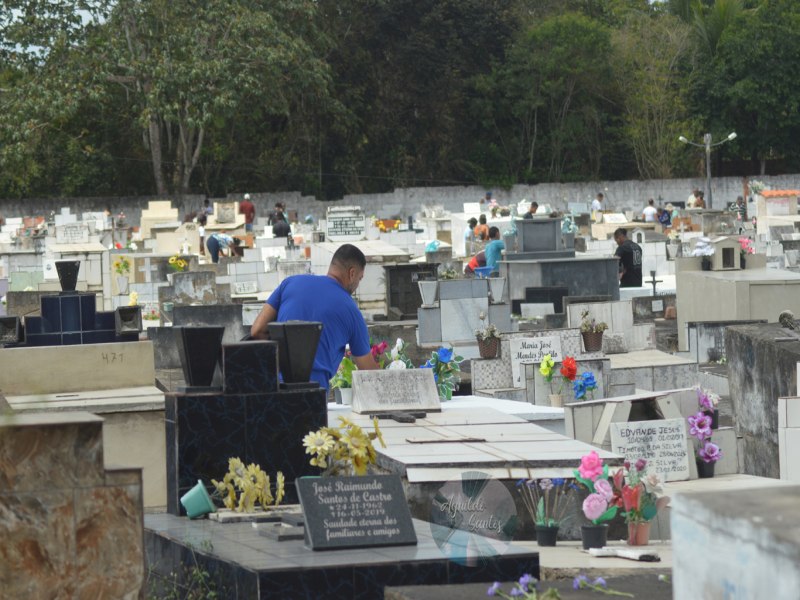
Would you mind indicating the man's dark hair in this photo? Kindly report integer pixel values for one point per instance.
(494, 232)
(348, 256)
(534, 206)
(237, 242)
(621, 231)
(482, 220)
(473, 222)
(202, 219)
(651, 202)
(206, 202)
(600, 195)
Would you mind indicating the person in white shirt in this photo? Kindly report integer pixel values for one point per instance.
(650, 214)
(692, 198)
(597, 203)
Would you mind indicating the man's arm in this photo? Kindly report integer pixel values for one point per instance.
(364, 363)
(259, 328)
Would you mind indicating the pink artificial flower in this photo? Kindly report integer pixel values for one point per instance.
(704, 400)
(591, 466)
(602, 487)
(641, 464)
(700, 426)
(710, 452)
(594, 506)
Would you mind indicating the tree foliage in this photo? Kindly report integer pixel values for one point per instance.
(347, 96)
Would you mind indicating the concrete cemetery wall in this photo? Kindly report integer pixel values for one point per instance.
(761, 369)
(620, 196)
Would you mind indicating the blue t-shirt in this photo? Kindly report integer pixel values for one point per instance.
(494, 251)
(321, 298)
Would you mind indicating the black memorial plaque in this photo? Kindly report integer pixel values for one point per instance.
(355, 512)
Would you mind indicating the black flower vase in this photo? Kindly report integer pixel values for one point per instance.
(68, 274)
(297, 347)
(546, 535)
(705, 470)
(199, 349)
(594, 536)
(714, 414)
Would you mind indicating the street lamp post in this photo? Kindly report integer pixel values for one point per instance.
(708, 146)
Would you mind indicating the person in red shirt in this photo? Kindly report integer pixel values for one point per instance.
(479, 260)
(247, 209)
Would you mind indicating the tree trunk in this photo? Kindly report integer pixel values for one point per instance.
(154, 138)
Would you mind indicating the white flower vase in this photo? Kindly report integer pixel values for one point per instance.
(496, 285)
(346, 394)
(122, 284)
(428, 290)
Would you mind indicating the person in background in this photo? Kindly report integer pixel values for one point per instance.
(479, 260)
(630, 259)
(281, 228)
(469, 235)
(247, 209)
(531, 211)
(487, 199)
(494, 249)
(202, 219)
(650, 214)
(692, 198)
(740, 208)
(207, 208)
(329, 300)
(280, 209)
(221, 242)
(664, 217)
(674, 213)
(597, 203)
(700, 200)
(482, 230)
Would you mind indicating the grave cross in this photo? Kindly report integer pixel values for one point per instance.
(654, 281)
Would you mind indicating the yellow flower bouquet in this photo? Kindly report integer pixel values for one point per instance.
(344, 450)
(252, 486)
(177, 264)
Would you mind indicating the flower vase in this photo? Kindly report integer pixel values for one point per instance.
(556, 400)
(742, 262)
(639, 533)
(592, 340)
(594, 536)
(546, 535)
(714, 417)
(488, 348)
(345, 395)
(705, 470)
(122, 284)
(705, 263)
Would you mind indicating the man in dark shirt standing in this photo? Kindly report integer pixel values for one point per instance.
(531, 211)
(630, 259)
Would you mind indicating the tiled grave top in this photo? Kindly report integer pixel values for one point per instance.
(134, 399)
(642, 395)
(646, 358)
(474, 438)
(46, 419)
(241, 543)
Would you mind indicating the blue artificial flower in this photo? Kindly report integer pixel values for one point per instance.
(579, 582)
(517, 592)
(427, 365)
(521, 482)
(559, 481)
(435, 378)
(493, 589)
(589, 382)
(445, 354)
(577, 387)
(601, 582)
(527, 580)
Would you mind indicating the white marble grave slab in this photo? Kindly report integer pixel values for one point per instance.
(526, 351)
(389, 391)
(537, 310)
(663, 443)
(461, 317)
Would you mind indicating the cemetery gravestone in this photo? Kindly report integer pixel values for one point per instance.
(393, 391)
(525, 351)
(355, 512)
(346, 224)
(662, 443)
(72, 233)
(226, 212)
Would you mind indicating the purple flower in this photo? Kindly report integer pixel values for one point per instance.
(527, 580)
(627, 465)
(700, 426)
(493, 589)
(641, 464)
(546, 485)
(516, 592)
(602, 487)
(579, 582)
(710, 452)
(594, 506)
(601, 582)
(704, 400)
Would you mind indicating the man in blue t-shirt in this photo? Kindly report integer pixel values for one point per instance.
(494, 249)
(327, 299)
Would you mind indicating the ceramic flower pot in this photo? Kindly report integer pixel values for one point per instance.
(122, 284)
(546, 535)
(639, 533)
(68, 274)
(197, 502)
(592, 341)
(428, 291)
(556, 400)
(489, 347)
(714, 417)
(705, 470)
(594, 536)
(496, 287)
(344, 396)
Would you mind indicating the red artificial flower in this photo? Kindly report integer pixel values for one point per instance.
(569, 369)
(118, 246)
(630, 497)
(379, 349)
